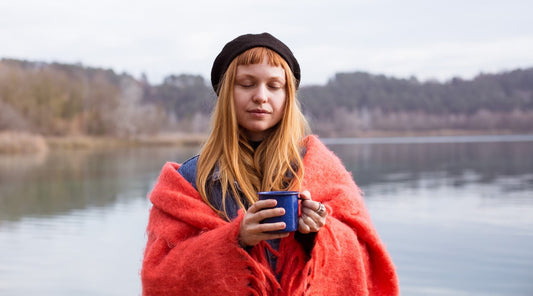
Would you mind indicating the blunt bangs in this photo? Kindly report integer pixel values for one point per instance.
(257, 54)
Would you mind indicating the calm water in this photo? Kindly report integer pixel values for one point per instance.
(456, 215)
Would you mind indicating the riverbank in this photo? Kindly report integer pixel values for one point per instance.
(432, 133)
(88, 142)
(22, 143)
(26, 143)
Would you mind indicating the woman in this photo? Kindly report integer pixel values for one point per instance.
(205, 235)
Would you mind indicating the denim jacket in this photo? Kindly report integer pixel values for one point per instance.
(189, 169)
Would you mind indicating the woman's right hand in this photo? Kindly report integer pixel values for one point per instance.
(252, 231)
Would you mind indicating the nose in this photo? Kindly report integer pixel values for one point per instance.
(261, 94)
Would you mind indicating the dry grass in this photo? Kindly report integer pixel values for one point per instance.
(172, 139)
(83, 142)
(24, 143)
(21, 143)
(87, 142)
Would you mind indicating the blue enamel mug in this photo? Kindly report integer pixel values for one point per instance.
(287, 200)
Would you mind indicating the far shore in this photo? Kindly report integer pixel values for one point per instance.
(195, 139)
(84, 142)
(22, 143)
(26, 143)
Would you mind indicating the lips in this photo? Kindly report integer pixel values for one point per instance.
(259, 111)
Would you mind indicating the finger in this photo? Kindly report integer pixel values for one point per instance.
(313, 227)
(311, 213)
(268, 213)
(262, 204)
(267, 227)
(302, 227)
(305, 195)
(317, 218)
(315, 213)
(313, 205)
(251, 239)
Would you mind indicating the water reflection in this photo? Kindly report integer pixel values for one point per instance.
(457, 163)
(94, 251)
(68, 180)
(456, 217)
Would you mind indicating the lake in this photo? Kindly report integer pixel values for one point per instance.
(456, 214)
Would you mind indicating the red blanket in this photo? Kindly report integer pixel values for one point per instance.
(192, 251)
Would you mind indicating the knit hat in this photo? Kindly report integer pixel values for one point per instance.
(244, 42)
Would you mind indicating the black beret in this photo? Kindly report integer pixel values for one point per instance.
(244, 42)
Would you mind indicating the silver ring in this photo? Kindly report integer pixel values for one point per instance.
(321, 208)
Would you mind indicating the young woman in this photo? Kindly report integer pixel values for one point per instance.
(205, 235)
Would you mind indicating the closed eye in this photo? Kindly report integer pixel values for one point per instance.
(275, 85)
(245, 83)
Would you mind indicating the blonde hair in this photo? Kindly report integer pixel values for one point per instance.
(276, 164)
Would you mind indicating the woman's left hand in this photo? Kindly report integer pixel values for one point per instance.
(313, 214)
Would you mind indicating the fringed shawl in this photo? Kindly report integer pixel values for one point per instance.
(193, 251)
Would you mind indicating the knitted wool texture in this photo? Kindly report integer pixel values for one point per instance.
(244, 42)
(192, 251)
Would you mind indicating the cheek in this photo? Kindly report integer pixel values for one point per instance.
(238, 103)
(280, 104)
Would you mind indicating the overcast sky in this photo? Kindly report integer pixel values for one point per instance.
(427, 39)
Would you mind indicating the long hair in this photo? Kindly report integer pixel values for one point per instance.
(276, 164)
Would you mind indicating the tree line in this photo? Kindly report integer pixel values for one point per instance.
(72, 99)
(353, 102)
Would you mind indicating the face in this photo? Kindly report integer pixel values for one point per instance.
(259, 97)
